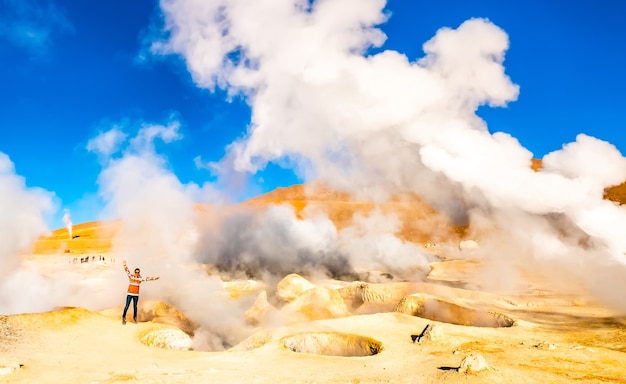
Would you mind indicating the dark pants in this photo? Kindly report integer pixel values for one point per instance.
(128, 299)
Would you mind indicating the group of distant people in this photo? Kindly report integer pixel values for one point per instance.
(86, 259)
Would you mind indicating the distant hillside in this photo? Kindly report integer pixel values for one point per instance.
(420, 222)
(91, 237)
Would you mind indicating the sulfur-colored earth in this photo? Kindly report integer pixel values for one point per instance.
(364, 332)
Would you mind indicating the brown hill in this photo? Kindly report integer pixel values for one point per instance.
(616, 193)
(420, 223)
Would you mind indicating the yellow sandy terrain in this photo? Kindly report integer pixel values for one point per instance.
(555, 339)
(345, 332)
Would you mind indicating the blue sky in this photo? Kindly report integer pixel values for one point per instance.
(71, 69)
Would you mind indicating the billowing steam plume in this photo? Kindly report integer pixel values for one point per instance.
(22, 218)
(377, 124)
(22, 221)
(67, 219)
(369, 124)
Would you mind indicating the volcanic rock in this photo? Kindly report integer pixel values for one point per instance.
(292, 286)
(316, 304)
(431, 332)
(167, 338)
(474, 362)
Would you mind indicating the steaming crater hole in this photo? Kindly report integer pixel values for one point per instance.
(426, 307)
(332, 344)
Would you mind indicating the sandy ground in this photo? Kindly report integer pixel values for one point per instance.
(555, 339)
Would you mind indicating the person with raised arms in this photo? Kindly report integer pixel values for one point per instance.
(134, 281)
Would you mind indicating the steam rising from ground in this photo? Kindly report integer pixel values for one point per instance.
(67, 219)
(21, 222)
(22, 218)
(369, 124)
(376, 124)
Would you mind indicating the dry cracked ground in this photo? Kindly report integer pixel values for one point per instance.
(440, 330)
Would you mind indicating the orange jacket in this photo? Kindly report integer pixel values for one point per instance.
(133, 287)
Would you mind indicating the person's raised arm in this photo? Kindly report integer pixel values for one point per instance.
(126, 268)
(152, 278)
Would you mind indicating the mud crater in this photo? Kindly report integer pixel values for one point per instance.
(332, 344)
(447, 312)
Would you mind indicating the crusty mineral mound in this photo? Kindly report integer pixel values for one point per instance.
(291, 287)
(364, 297)
(431, 333)
(254, 341)
(474, 362)
(316, 304)
(167, 338)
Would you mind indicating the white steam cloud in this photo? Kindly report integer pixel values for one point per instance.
(370, 124)
(159, 232)
(377, 124)
(23, 211)
(67, 220)
(22, 221)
